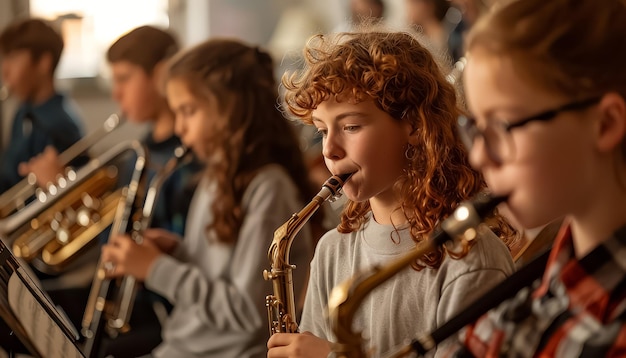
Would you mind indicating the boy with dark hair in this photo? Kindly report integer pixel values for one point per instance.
(30, 51)
(145, 46)
(137, 61)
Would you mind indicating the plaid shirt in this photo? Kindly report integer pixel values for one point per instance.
(578, 309)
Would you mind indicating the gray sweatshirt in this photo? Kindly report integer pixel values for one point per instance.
(411, 302)
(217, 289)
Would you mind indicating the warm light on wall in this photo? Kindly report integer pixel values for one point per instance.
(89, 27)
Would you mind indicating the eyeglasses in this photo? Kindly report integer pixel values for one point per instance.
(497, 134)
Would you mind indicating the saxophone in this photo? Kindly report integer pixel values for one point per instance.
(109, 306)
(346, 297)
(281, 311)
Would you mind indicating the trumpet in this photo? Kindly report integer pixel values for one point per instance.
(60, 224)
(346, 297)
(16, 198)
(109, 306)
(281, 311)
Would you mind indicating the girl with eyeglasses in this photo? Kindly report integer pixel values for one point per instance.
(546, 86)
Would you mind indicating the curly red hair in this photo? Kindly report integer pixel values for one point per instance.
(404, 80)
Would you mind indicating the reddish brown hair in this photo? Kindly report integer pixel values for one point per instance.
(403, 79)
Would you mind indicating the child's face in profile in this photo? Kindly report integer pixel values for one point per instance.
(193, 116)
(20, 73)
(361, 138)
(545, 174)
(135, 91)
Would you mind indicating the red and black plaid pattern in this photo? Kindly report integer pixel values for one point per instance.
(578, 309)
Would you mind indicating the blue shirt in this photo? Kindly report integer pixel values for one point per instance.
(174, 198)
(54, 122)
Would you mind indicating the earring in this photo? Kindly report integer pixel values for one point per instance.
(410, 152)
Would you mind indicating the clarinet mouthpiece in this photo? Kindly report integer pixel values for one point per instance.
(344, 177)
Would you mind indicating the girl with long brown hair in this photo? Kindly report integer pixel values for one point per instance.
(223, 94)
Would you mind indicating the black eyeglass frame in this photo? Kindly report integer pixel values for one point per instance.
(552, 113)
(470, 131)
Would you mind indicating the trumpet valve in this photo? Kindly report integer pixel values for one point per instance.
(41, 195)
(52, 189)
(63, 236)
(61, 181)
(83, 217)
(70, 174)
(31, 178)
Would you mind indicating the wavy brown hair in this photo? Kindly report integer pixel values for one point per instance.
(403, 79)
(571, 47)
(256, 134)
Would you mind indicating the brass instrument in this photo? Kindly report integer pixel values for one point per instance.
(281, 311)
(454, 76)
(59, 224)
(110, 302)
(16, 198)
(506, 289)
(346, 297)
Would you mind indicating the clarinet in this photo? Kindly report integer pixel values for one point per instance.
(109, 308)
(346, 297)
(281, 309)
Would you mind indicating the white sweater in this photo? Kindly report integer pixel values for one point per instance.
(411, 302)
(218, 290)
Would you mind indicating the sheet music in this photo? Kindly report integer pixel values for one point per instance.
(46, 334)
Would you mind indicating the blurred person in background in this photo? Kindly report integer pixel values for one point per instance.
(46, 121)
(428, 17)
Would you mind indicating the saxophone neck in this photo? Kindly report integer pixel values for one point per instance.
(278, 253)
